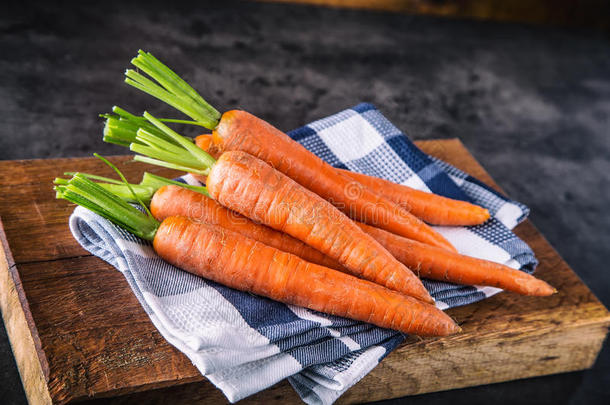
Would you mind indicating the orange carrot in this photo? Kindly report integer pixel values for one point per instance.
(251, 187)
(169, 201)
(432, 208)
(429, 207)
(242, 263)
(204, 141)
(440, 264)
(426, 261)
(238, 130)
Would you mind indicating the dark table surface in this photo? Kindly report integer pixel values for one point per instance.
(531, 103)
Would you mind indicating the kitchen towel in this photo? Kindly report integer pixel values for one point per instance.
(244, 343)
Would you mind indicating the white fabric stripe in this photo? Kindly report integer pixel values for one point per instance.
(138, 249)
(441, 305)
(508, 215)
(488, 291)
(457, 180)
(359, 131)
(247, 379)
(416, 182)
(190, 179)
(304, 313)
(207, 340)
(471, 244)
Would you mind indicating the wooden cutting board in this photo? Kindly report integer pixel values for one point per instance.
(78, 332)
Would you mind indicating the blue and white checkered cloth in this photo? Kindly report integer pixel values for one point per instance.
(244, 343)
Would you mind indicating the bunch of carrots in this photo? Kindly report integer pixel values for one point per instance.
(276, 220)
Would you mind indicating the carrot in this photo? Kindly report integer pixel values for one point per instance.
(239, 130)
(204, 141)
(173, 200)
(225, 257)
(429, 207)
(440, 264)
(168, 198)
(432, 208)
(251, 187)
(425, 260)
(242, 263)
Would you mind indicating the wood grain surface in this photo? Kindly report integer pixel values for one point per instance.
(78, 333)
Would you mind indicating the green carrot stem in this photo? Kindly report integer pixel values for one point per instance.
(171, 150)
(162, 163)
(156, 142)
(177, 121)
(95, 177)
(156, 182)
(168, 87)
(84, 192)
(125, 182)
(121, 127)
(143, 193)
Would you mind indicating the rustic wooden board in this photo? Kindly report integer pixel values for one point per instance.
(78, 332)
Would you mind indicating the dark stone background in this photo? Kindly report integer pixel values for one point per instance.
(531, 103)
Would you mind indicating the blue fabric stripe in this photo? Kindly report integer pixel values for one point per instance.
(363, 107)
(301, 133)
(270, 318)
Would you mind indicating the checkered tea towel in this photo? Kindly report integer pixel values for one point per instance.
(245, 343)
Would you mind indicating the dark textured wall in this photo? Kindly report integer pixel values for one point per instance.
(532, 104)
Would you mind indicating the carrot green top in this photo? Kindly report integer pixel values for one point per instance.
(168, 87)
(82, 191)
(155, 142)
(133, 193)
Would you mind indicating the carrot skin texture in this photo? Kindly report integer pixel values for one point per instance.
(425, 260)
(239, 130)
(432, 208)
(429, 207)
(242, 263)
(440, 264)
(251, 187)
(173, 200)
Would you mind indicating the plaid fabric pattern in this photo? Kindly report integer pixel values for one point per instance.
(245, 343)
